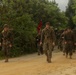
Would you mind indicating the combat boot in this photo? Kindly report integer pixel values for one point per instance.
(38, 53)
(48, 60)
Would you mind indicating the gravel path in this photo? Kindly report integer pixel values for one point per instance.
(37, 65)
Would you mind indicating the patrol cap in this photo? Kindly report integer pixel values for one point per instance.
(6, 26)
(47, 23)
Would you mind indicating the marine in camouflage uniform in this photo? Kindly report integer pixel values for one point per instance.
(63, 41)
(39, 47)
(6, 41)
(48, 40)
(69, 42)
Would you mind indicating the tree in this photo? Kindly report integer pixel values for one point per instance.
(70, 12)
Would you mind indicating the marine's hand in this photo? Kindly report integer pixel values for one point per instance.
(53, 44)
(10, 45)
(40, 43)
(65, 42)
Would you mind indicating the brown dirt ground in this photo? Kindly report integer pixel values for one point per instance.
(37, 65)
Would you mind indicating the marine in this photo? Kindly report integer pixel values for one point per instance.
(69, 42)
(6, 41)
(39, 47)
(48, 40)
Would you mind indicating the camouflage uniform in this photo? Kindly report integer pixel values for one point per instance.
(6, 40)
(48, 37)
(69, 39)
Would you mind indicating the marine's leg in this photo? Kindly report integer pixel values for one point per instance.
(50, 52)
(41, 49)
(52, 48)
(70, 51)
(4, 49)
(63, 47)
(6, 54)
(45, 49)
(70, 54)
(66, 50)
(38, 48)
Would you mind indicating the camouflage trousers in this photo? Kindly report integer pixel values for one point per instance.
(47, 48)
(69, 48)
(6, 48)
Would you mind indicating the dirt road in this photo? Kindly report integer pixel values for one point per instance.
(37, 65)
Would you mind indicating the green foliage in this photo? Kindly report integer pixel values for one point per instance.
(23, 16)
(71, 13)
(74, 19)
(74, 8)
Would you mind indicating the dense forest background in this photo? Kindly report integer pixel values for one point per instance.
(24, 15)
